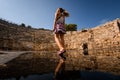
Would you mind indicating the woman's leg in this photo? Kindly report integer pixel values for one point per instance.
(62, 41)
(58, 41)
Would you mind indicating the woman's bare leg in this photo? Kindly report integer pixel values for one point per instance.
(62, 40)
(58, 41)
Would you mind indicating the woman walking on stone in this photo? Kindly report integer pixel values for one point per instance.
(59, 30)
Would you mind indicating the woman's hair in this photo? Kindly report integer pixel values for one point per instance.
(64, 12)
(61, 10)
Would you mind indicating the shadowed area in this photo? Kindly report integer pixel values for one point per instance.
(45, 62)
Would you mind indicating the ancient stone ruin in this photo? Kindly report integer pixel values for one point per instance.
(91, 49)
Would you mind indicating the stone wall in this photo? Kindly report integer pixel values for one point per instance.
(20, 38)
(105, 36)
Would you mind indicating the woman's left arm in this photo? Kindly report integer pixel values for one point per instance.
(54, 24)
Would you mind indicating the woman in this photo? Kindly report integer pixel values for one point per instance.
(59, 30)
